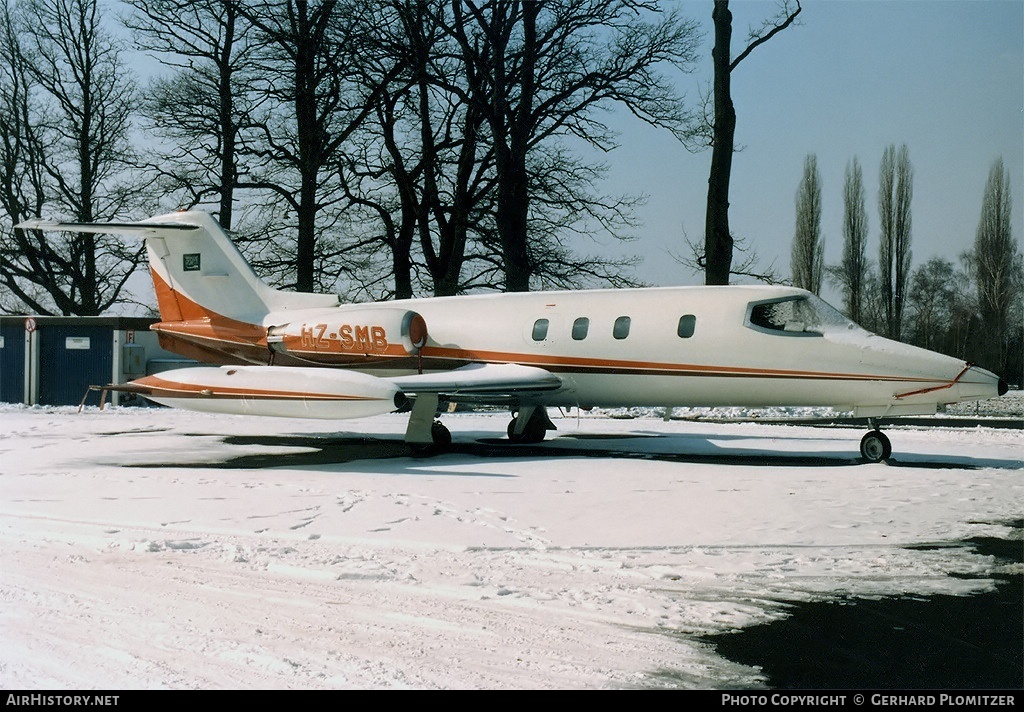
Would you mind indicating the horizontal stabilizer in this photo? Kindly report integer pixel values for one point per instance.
(132, 228)
(198, 272)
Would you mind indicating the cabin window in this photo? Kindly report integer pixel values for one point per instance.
(686, 326)
(621, 328)
(580, 327)
(540, 329)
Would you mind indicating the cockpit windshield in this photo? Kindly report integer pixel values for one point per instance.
(801, 315)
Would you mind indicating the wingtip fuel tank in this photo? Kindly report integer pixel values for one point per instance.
(271, 390)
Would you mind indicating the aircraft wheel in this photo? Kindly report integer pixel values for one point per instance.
(441, 435)
(442, 442)
(511, 430)
(534, 432)
(875, 446)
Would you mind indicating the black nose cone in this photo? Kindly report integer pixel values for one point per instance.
(1003, 388)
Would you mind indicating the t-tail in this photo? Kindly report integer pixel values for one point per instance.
(212, 305)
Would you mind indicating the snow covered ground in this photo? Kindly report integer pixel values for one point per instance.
(150, 548)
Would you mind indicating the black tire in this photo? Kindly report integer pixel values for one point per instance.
(875, 446)
(441, 435)
(534, 432)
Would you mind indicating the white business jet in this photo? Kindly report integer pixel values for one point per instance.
(283, 353)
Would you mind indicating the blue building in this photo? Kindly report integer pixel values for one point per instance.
(52, 360)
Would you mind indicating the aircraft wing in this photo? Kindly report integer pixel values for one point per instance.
(482, 382)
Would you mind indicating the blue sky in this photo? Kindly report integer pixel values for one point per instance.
(946, 77)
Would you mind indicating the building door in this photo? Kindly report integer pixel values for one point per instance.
(12, 362)
(72, 358)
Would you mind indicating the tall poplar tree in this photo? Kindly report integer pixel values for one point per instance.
(996, 266)
(808, 253)
(854, 267)
(895, 191)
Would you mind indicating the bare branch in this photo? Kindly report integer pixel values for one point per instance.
(769, 29)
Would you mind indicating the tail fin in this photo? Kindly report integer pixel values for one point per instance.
(198, 272)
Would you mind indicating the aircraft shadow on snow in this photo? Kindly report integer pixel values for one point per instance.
(322, 450)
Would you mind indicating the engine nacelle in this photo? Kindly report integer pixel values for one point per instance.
(272, 390)
(351, 332)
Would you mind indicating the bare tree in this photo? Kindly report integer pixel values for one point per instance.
(439, 165)
(718, 240)
(808, 253)
(567, 210)
(314, 99)
(996, 266)
(962, 339)
(22, 182)
(543, 69)
(895, 191)
(931, 298)
(851, 273)
(468, 149)
(872, 307)
(749, 263)
(23, 190)
(77, 154)
(202, 107)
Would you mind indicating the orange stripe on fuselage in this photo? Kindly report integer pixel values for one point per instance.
(227, 331)
(597, 365)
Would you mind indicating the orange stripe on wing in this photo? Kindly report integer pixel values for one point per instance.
(197, 390)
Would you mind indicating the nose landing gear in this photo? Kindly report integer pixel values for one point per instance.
(529, 425)
(875, 446)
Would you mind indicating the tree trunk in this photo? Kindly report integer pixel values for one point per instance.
(717, 238)
(401, 255)
(309, 145)
(227, 121)
(513, 178)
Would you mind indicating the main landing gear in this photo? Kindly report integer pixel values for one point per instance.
(875, 446)
(424, 434)
(428, 436)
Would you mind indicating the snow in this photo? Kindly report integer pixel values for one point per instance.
(152, 548)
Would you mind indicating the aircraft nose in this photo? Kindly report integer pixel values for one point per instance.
(979, 383)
